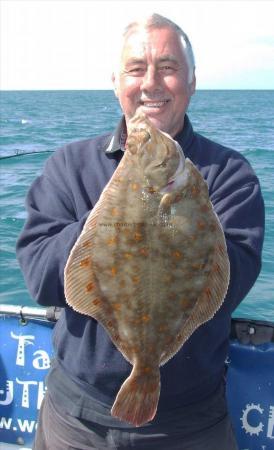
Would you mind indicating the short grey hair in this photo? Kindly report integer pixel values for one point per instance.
(158, 21)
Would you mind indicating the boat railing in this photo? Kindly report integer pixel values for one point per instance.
(50, 314)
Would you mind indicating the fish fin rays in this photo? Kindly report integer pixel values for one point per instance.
(81, 288)
(137, 399)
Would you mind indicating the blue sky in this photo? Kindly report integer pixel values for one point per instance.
(62, 44)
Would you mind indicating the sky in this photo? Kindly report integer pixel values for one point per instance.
(68, 44)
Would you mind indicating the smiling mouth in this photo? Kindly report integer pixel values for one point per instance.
(151, 104)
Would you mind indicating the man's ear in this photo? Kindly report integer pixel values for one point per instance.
(114, 82)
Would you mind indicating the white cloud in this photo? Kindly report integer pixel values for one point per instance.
(55, 44)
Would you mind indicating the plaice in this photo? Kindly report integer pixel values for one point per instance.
(151, 263)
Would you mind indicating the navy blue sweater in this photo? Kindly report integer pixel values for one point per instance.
(58, 204)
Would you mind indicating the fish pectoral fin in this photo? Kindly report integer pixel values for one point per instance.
(165, 205)
(169, 199)
(138, 397)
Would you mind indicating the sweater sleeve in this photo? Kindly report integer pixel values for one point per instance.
(238, 201)
(50, 231)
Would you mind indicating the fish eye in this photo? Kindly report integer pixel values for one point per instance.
(162, 164)
(147, 136)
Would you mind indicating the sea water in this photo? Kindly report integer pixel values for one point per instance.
(35, 123)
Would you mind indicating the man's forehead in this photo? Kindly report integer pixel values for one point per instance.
(142, 59)
(139, 43)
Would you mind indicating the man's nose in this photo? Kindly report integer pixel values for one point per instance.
(151, 80)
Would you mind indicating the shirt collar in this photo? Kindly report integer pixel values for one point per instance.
(119, 137)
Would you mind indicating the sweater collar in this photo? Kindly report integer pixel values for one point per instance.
(118, 139)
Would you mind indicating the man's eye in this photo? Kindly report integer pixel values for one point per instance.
(167, 69)
(136, 70)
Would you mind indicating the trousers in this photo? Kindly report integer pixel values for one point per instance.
(61, 431)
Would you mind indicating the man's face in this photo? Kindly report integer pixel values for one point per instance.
(153, 78)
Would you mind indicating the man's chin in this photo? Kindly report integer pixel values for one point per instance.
(156, 121)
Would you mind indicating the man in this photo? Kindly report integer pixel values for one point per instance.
(156, 75)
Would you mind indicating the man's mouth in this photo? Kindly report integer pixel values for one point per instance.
(153, 104)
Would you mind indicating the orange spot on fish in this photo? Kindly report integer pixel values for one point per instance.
(151, 190)
(135, 186)
(143, 251)
(114, 212)
(135, 279)
(114, 271)
(147, 369)
(145, 318)
(195, 190)
(85, 262)
(112, 241)
(201, 225)
(89, 287)
(128, 255)
(177, 254)
(97, 302)
(138, 237)
(126, 231)
(116, 306)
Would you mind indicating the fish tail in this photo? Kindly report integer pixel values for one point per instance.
(138, 397)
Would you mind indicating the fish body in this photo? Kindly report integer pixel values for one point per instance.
(151, 263)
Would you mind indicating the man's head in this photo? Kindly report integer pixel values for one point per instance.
(156, 73)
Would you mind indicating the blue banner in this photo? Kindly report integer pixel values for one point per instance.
(250, 393)
(25, 353)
